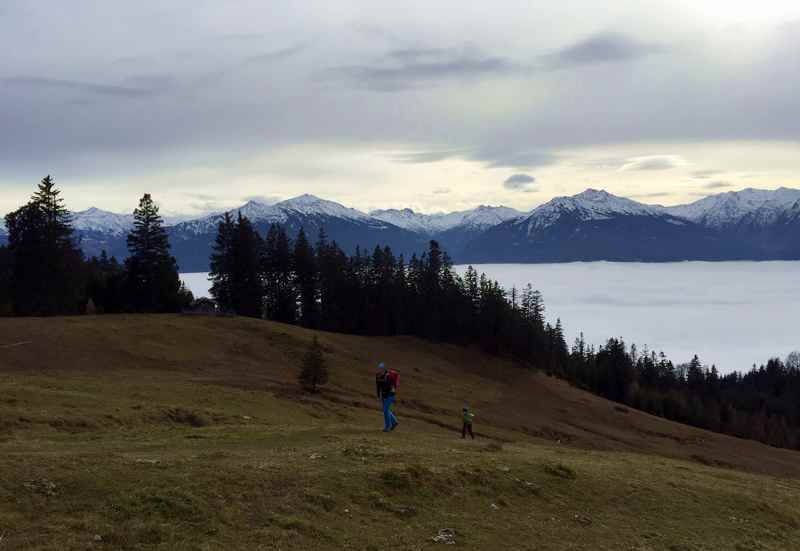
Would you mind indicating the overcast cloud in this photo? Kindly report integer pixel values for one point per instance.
(385, 104)
(520, 182)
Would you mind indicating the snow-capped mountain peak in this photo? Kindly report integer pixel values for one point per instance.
(102, 221)
(486, 216)
(591, 204)
(409, 220)
(756, 206)
(600, 201)
(481, 217)
(303, 206)
(311, 205)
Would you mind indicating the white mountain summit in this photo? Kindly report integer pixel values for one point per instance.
(102, 221)
(429, 224)
(591, 204)
(303, 206)
(758, 206)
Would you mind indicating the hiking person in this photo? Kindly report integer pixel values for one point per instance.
(386, 385)
(468, 417)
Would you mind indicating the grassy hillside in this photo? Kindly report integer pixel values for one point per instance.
(170, 432)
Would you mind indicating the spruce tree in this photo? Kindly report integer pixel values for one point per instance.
(57, 228)
(247, 288)
(471, 286)
(313, 370)
(152, 273)
(334, 282)
(305, 276)
(280, 298)
(46, 277)
(537, 309)
(221, 264)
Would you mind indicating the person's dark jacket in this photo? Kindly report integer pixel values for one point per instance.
(384, 385)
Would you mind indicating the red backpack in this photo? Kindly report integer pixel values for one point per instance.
(394, 377)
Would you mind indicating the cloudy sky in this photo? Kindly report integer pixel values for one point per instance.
(434, 105)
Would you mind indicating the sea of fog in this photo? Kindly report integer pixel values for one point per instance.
(731, 314)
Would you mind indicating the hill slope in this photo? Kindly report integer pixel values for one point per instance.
(171, 432)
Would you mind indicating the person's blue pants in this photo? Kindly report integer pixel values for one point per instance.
(389, 420)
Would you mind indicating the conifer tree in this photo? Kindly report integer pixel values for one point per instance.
(246, 282)
(471, 286)
(57, 230)
(305, 276)
(694, 374)
(152, 273)
(334, 284)
(313, 370)
(537, 309)
(280, 298)
(46, 263)
(221, 264)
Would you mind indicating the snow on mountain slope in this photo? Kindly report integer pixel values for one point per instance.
(302, 207)
(253, 210)
(591, 204)
(758, 206)
(485, 216)
(309, 205)
(481, 217)
(102, 221)
(410, 220)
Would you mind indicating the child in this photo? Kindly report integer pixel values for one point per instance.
(468, 417)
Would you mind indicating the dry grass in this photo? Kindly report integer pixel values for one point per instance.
(165, 432)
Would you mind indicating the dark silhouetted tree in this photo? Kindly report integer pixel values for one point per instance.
(280, 298)
(305, 279)
(246, 284)
(46, 273)
(6, 305)
(153, 284)
(313, 370)
(221, 264)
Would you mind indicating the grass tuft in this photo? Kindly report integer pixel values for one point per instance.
(561, 471)
(154, 502)
(185, 417)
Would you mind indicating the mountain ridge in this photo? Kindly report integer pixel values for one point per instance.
(754, 224)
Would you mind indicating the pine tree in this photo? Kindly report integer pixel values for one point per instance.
(471, 287)
(221, 264)
(246, 283)
(152, 273)
(313, 370)
(280, 297)
(57, 228)
(305, 276)
(537, 309)
(695, 378)
(400, 296)
(46, 277)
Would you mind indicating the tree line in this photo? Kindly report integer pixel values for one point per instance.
(318, 285)
(762, 404)
(44, 273)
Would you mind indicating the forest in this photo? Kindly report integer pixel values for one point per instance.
(312, 282)
(43, 271)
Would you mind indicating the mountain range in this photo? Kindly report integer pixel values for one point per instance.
(750, 224)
